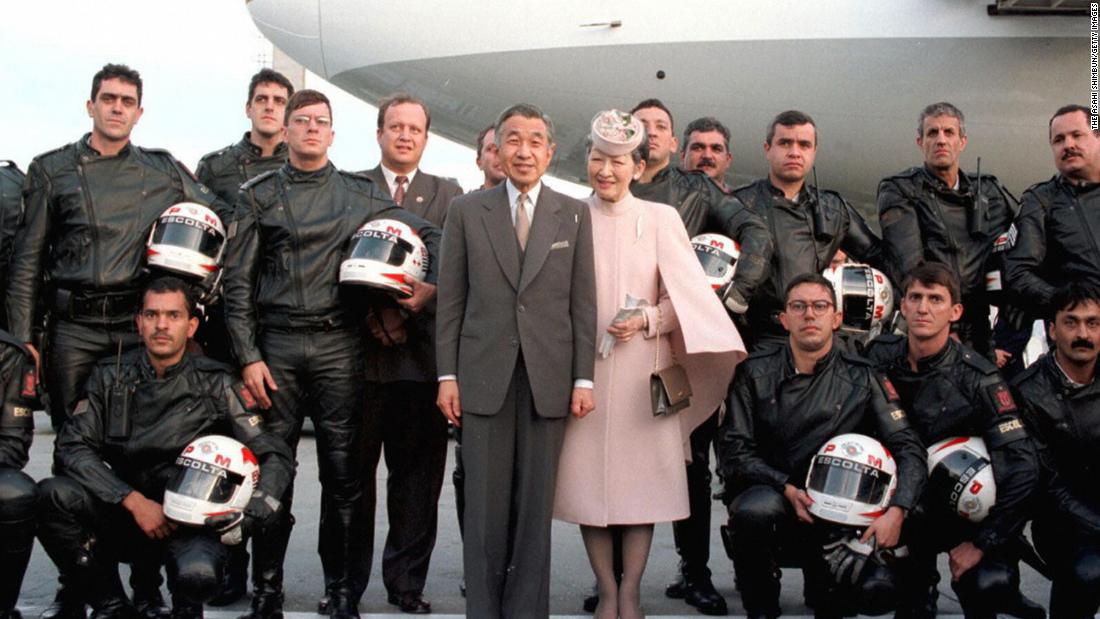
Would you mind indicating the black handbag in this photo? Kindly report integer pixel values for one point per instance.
(669, 388)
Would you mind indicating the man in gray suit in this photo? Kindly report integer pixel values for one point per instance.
(401, 372)
(516, 330)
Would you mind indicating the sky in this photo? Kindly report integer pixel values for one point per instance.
(195, 58)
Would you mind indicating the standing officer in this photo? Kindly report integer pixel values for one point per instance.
(11, 214)
(116, 455)
(950, 391)
(807, 224)
(1063, 397)
(786, 402)
(18, 492)
(706, 148)
(931, 213)
(298, 337)
(262, 149)
(401, 376)
(89, 208)
(1059, 222)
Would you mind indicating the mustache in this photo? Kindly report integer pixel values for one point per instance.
(705, 161)
(1071, 153)
(1082, 343)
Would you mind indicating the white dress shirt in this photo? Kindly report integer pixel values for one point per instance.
(391, 179)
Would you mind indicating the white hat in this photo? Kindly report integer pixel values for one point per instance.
(616, 133)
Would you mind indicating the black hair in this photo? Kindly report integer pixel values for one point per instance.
(170, 283)
(790, 118)
(269, 76)
(112, 71)
(933, 273)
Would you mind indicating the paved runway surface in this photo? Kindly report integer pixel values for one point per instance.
(571, 578)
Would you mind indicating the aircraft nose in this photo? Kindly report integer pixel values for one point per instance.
(294, 26)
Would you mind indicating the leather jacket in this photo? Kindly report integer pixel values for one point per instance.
(17, 402)
(1063, 419)
(128, 432)
(777, 419)
(957, 392)
(11, 214)
(705, 208)
(1058, 240)
(292, 231)
(225, 170)
(87, 220)
(800, 246)
(924, 219)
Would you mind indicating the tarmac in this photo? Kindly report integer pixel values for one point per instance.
(571, 577)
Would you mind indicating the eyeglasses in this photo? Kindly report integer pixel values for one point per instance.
(323, 122)
(800, 307)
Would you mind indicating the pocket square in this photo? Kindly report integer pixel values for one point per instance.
(560, 245)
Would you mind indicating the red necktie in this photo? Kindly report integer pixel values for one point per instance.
(399, 195)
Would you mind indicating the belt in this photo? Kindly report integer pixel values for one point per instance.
(96, 306)
(284, 322)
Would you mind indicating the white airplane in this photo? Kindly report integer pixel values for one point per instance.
(862, 69)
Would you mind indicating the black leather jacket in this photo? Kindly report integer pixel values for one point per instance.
(777, 419)
(17, 403)
(705, 208)
(1058, 240)
(112, 453)
(87, 220)
(292, 233)
(924, 219)
(11, 214)
(957, 392)
(225, 170)
(1065, 422)
(800, 247)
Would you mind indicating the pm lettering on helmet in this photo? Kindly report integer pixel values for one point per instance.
(873, 461)
(393, 230)
(221, 460)
(717, 243)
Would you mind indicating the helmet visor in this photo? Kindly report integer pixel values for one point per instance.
(846, 479)
(380, 247)
(175, 232)
(857, 293)
(953, 472)
(204, 481)
(715, 264)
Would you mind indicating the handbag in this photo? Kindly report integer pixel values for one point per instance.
(669, 388)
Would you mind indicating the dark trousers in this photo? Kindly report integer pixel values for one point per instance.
(71, 350)
(87, 539)
(413, 438)
(1074, 560)
(320, 375)
(18, 502)
(511, 463)
(458, 477)
(692, 535)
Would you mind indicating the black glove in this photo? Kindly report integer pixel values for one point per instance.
(236, 526)
(846, 558)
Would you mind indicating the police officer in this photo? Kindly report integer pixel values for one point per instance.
(297, 336)
(949, 390)
(18, 492)
(704, 208)
(115, 456)
(89, 208)
(701, 204)
(706, 148)
(1059, 222)
(786, 402)
(807, 224)
(11, 214)
(260, 150)
(930, 212)
(1063, 397)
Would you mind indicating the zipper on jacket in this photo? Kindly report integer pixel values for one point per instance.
(296, 268)
(92, 226)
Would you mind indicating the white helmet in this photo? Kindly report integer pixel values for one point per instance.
(960, 476)
(385, 254)
(215, 475)
(863, 295)
(851, 480)
(718, 255)
(187, 239)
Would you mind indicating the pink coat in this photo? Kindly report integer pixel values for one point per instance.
(620, 464)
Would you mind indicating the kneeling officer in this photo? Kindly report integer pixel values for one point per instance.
(117, 454)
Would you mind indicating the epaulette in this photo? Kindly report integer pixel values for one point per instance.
(215, 154)
(976, 361)
(766, 351)
(744, 187)
(855, 359)
(907, 173)
(1027, 373)
(259, 178)
(56, 152)
(205, 364)
(886, 341)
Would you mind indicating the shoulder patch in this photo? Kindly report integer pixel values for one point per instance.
(247, 399)
(259, 178)
(1001, 397)
(888, 388)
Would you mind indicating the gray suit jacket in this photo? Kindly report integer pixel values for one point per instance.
(491, 306)
(427, 196)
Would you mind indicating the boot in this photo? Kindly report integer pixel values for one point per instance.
(344, 605)
(236, 578)
(268, 551)
(150, 605)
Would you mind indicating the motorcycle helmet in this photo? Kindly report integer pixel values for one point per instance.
(214, 475)
(863, 295)
(851, 480)
(187, 239)
(718, 255)
(385, 254)
(960, 476)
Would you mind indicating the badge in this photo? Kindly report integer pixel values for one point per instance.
(246, 397)
(891, 392)
(1002, 399)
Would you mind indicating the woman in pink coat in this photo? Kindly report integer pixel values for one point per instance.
(621, 466)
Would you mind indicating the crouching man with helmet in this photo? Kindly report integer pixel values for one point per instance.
(785, 404)
(132, 438)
